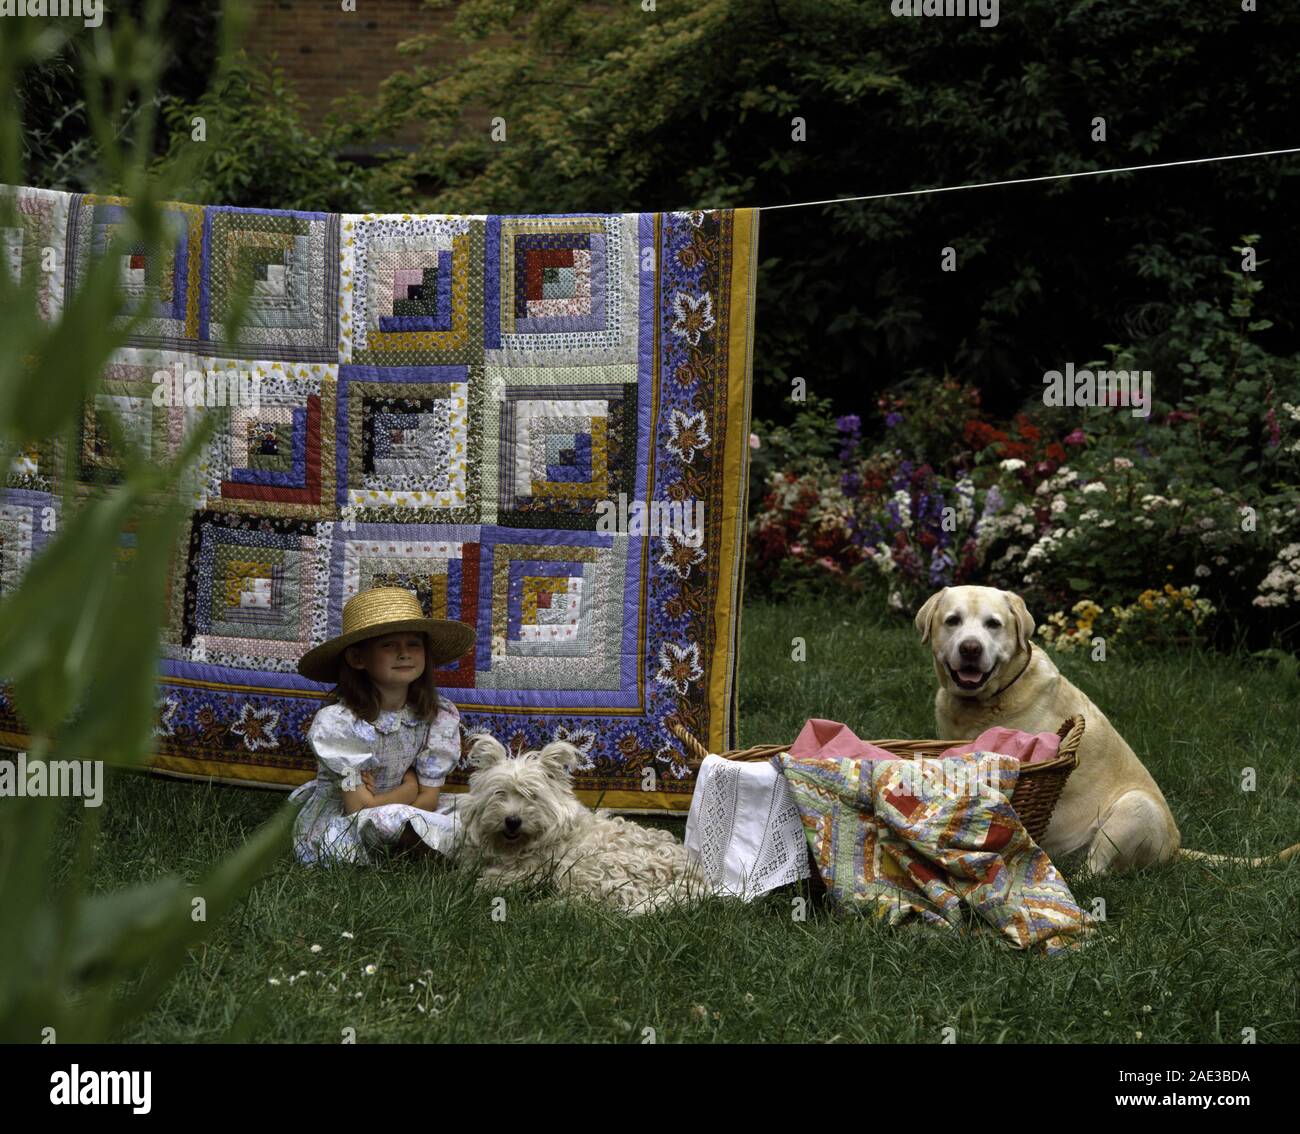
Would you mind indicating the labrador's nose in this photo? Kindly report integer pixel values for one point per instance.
(970, 649)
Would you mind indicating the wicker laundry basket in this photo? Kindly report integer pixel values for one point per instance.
(1037, 789)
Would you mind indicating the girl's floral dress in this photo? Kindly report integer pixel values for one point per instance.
(345, 747)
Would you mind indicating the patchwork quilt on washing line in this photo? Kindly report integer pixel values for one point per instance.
(487, 410)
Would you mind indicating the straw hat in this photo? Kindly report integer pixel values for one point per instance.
(386, 610)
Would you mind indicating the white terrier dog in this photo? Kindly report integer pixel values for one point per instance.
(521, 818)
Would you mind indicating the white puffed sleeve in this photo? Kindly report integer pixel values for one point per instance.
(344, 745)
(436, 760)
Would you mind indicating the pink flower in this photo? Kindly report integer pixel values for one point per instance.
(830, 564)
(754, 442)
(796, 549)
(1078, 437)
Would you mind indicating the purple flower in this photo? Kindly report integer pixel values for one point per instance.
(939, 565)
(893, 419)
(849, 423)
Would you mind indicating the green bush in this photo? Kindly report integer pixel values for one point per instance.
(259, 152)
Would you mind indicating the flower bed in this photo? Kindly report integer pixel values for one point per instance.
(1119, 520)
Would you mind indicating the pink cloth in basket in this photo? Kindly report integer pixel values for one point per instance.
(831, 739)
(1027, 747)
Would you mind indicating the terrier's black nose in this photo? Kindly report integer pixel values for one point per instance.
(971, 648)
(513, 824)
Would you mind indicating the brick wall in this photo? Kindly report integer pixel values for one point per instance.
(327, 52)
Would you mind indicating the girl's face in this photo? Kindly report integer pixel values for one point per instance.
(391, 660)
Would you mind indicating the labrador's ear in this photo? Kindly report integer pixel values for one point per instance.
(486, 751)
(1023, 619)
(925, 616)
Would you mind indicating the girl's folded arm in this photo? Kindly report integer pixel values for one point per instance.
(427, 799)
(354, 801)
(405, 792)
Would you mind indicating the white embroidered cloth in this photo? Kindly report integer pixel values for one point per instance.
(744, 828)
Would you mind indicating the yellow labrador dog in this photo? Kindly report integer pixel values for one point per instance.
(991, 673)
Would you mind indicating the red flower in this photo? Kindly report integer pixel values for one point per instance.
(1027, 429)
(979, 434)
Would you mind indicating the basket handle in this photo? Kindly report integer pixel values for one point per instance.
(696, 752)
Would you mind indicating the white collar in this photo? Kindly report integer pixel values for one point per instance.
(390, 720)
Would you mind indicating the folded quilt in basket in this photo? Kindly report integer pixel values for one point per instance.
(921, 839)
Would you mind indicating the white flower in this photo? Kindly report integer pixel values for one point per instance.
(691, 315)
(272, 980)
(1202, 571)
(904, 502)
(1058, 505)
(679, 666)
(257, 727)
(370, 970)
(687, 434)
(1012, 464)
(1095, 486)
(1122, 463)
(315, 948)
(346, 934)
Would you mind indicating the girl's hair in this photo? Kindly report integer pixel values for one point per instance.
(358, 693)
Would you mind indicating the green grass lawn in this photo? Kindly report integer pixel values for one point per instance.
(1188, 954)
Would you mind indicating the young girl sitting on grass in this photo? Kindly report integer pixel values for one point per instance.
(386, 739)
